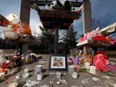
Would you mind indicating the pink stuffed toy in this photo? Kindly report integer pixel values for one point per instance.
(100, 61)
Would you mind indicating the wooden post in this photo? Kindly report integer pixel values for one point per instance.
(87, 18)
(25, 17)
(56, 39)
(25, 11)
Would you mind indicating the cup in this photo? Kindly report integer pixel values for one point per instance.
(70, 69)
(58, 75)
(39, 76)
(74, 75)
(38, 68)
(25, 75)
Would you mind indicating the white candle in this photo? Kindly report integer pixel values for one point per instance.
(74, 75)
(87, 65)
(38, 68)
(58, 75)
(39, 76)
(92, 69)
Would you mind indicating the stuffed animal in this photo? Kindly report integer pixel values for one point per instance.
(2, 57)
(56, 4)
(26, 58)
(59, 5)
(36, 7)
(101, 61)
(16, 28)
(10, 34)
(53, 4)
(67, 5)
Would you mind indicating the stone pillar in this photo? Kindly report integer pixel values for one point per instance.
(87, 18)
(56, 39)
(25, 17)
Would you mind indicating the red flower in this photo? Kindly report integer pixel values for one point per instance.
(76, 67)
(4, 65)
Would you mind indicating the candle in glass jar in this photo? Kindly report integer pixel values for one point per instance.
(74, 75)
(87, 65)
(58, 75)
(92, 69)
(71, 69)
(39, 76)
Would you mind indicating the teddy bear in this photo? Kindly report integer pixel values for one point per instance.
(16, 28)
(100, 61)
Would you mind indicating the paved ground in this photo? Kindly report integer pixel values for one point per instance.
(46, 80)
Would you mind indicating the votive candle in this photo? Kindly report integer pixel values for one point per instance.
(87, 65)
(92, 69)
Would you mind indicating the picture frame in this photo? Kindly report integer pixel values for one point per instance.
(58, 62)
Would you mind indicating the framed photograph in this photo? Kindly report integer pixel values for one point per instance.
(58, 62)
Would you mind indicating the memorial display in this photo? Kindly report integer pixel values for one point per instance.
(75, 69)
